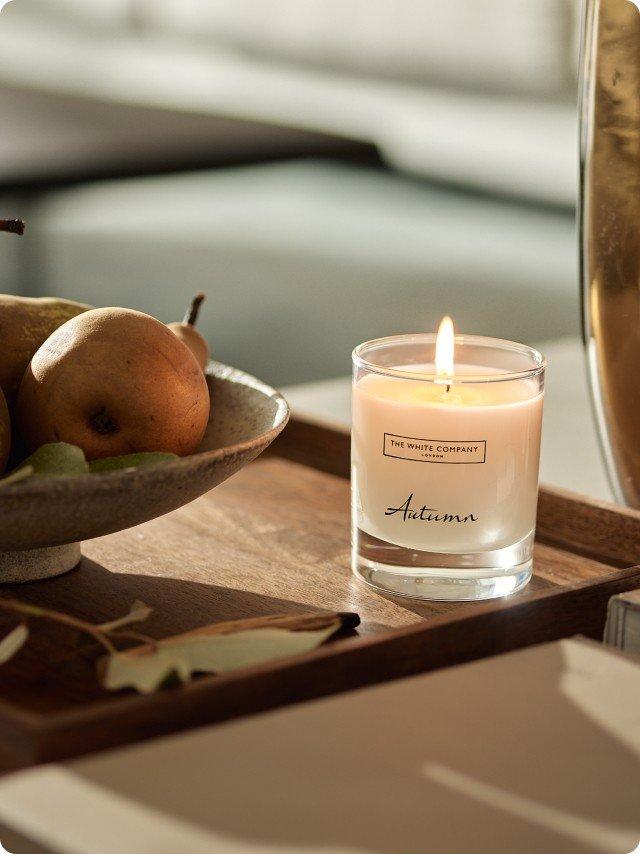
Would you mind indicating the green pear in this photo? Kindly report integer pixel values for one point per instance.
(25, 324)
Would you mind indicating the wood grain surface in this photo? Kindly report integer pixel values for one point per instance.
(275, 540)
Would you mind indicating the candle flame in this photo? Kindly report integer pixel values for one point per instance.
(444, 349)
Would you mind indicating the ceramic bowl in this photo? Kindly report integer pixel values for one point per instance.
(43, 520)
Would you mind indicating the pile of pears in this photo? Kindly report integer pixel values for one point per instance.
(111, 381)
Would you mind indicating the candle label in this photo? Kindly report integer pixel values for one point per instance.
(451, 452)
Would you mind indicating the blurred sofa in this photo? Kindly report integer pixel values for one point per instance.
(470, 106)
(480, 94)
(303, 260)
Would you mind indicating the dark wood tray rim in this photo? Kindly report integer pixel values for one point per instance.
(571, 522)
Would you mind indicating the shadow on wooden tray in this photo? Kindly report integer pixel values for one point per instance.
(56, 668)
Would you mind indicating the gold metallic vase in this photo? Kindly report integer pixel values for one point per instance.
(610, 231)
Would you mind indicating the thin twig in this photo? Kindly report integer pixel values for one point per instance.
(17, 607)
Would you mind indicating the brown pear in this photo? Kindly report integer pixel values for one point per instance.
(25, 324)
(114, 381)
(186, 331)
(5, 433)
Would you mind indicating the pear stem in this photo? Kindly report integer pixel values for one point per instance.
(13, 226)
(191, 317)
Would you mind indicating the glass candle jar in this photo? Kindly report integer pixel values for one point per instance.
(445, 465)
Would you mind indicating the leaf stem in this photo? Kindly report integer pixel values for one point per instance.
(17, 607)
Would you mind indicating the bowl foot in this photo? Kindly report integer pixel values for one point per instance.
(36, 564)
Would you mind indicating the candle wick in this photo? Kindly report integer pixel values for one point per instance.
(448, 387)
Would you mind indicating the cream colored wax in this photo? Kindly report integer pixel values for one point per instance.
(446, 471)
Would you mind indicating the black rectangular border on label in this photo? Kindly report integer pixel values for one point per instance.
(481, 462)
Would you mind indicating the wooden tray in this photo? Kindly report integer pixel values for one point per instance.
(275, 539)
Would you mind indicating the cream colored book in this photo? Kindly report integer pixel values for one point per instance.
(623, 621)
(535, 751)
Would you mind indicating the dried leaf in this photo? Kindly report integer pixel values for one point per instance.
(138, 613)
(146, 668)
(309, 621)
(146, 673)
(130, 461)
(11, 643)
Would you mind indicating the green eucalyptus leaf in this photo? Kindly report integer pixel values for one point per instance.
(16, 476)
(14, 641)
(56, 458)
(130, 461)
(147, 669)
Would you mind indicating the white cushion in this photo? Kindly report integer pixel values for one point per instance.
(302, 261)
(77, 14)
(504, 45)
(512, 145)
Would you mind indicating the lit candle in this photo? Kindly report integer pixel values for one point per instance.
(445, 456)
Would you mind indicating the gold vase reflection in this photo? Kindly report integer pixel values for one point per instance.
(610, 231)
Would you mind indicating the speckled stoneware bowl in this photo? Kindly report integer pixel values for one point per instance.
(43, 520)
